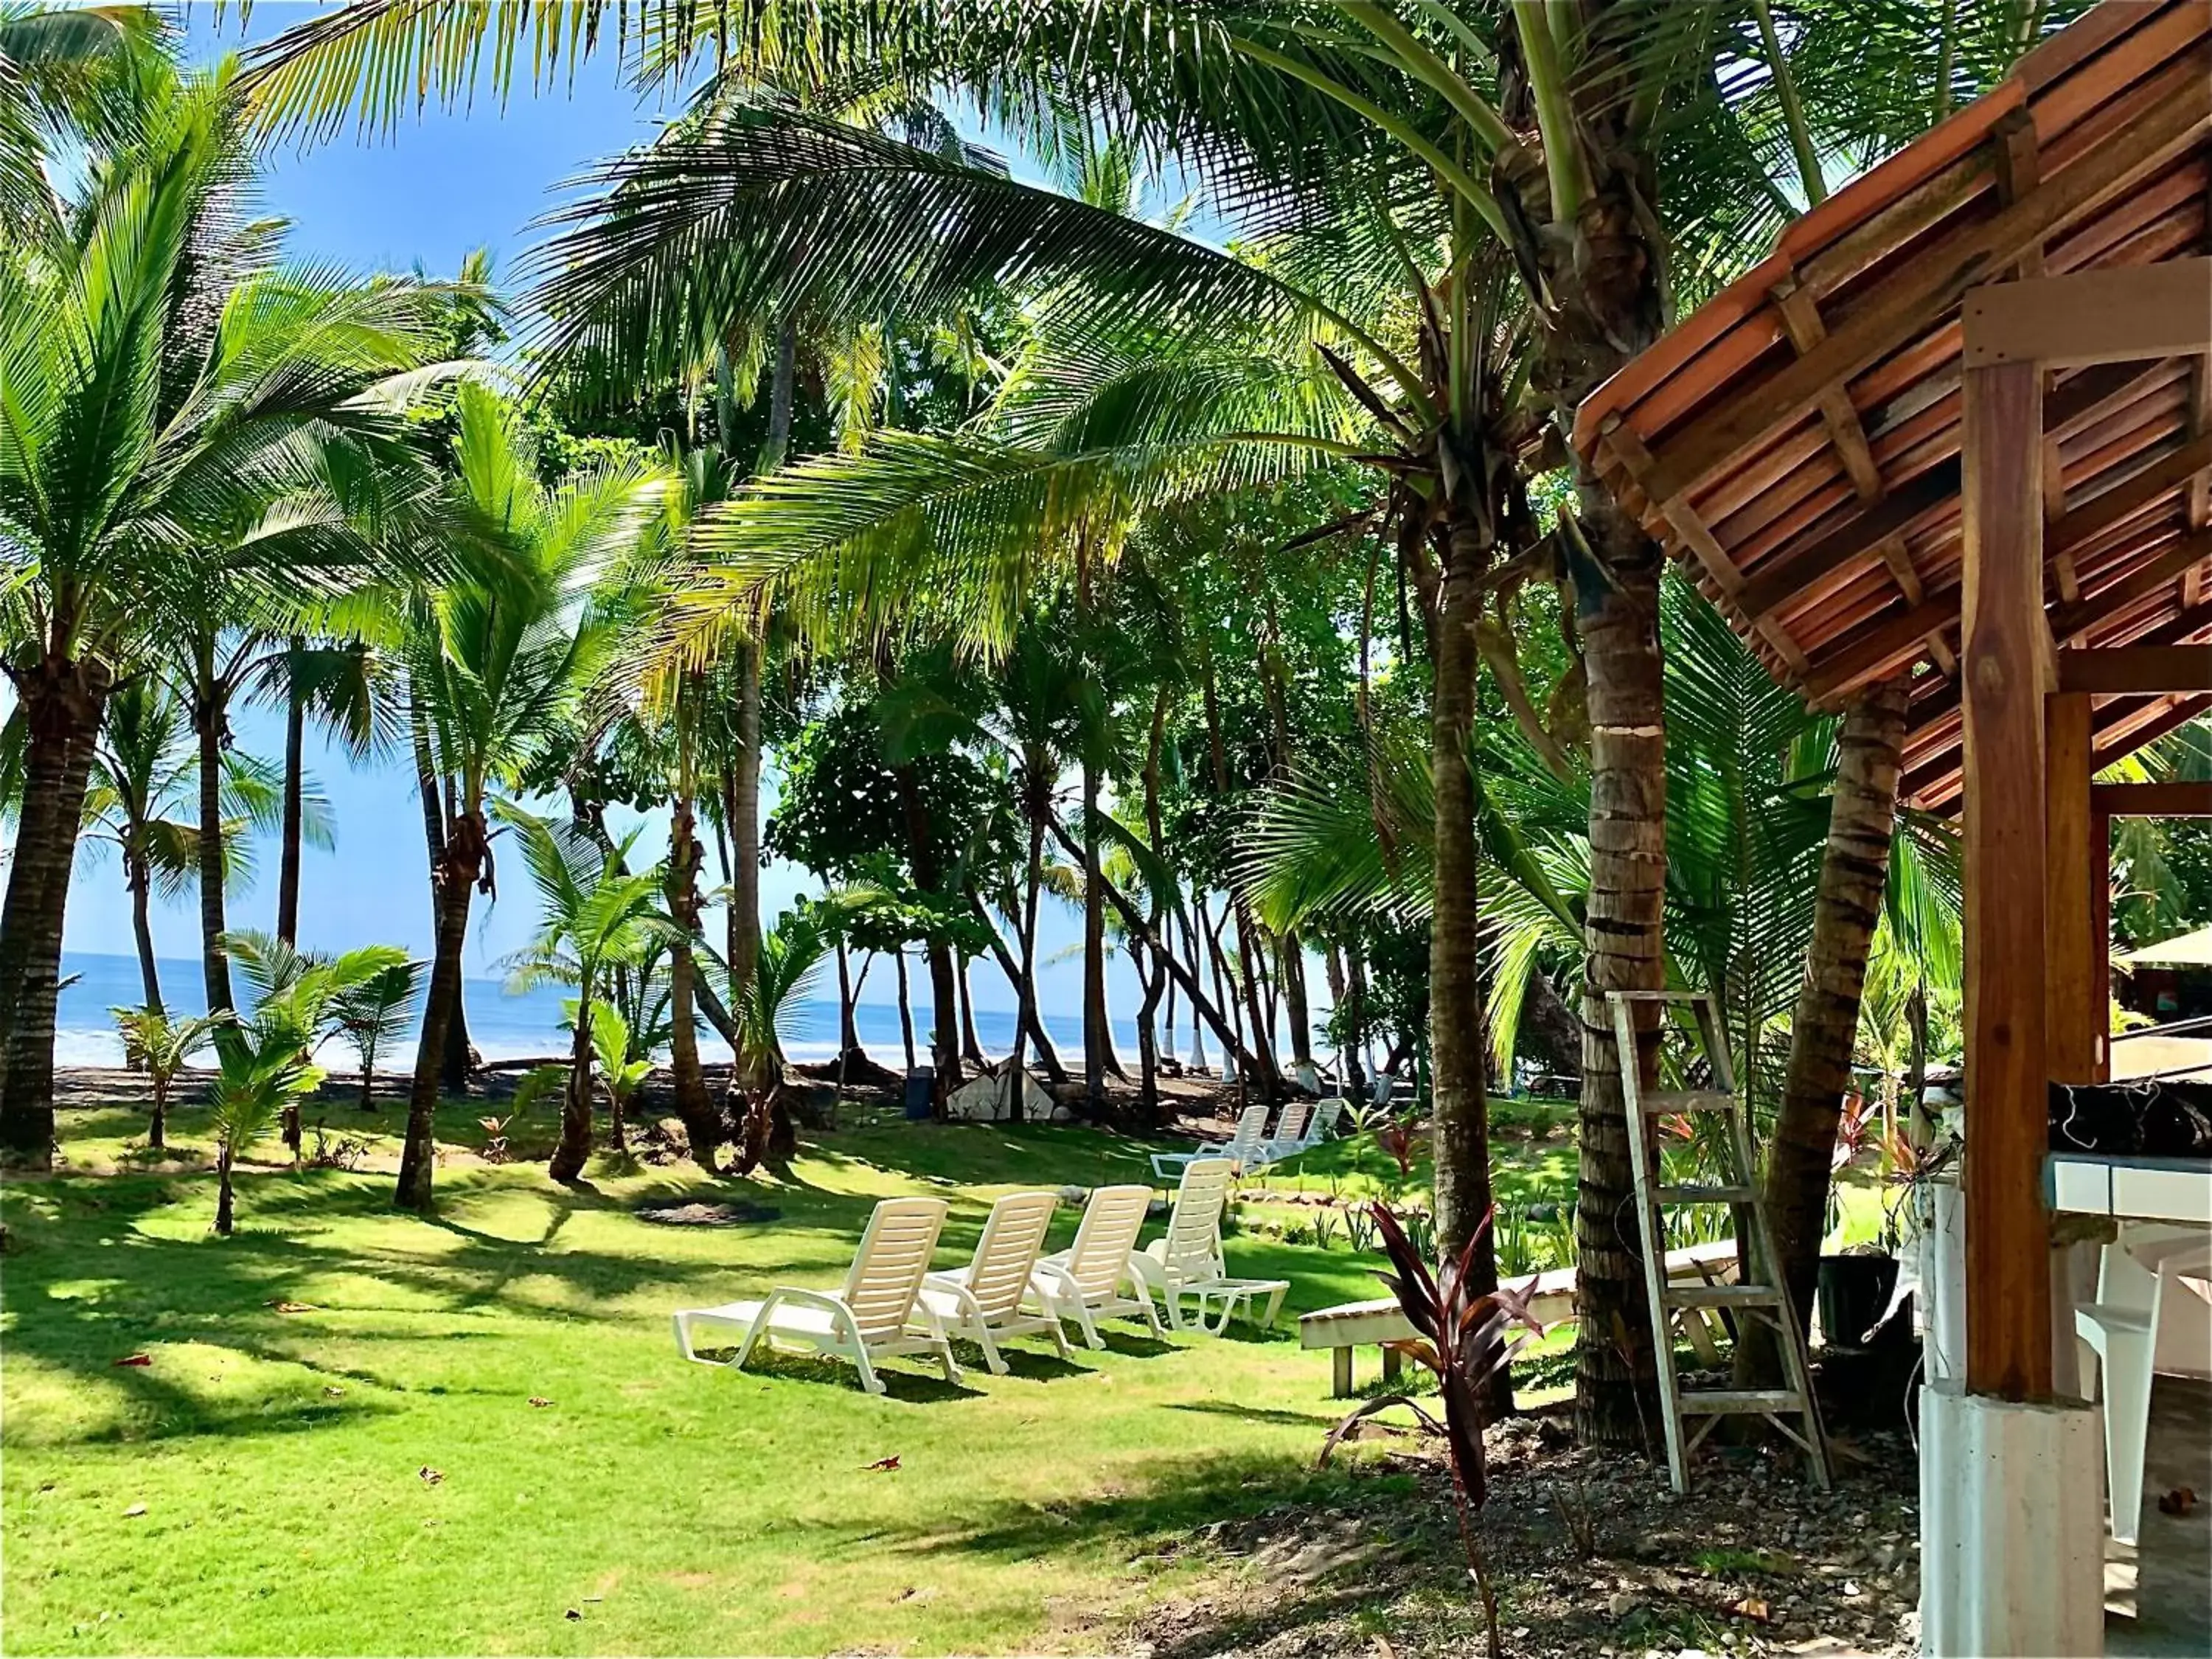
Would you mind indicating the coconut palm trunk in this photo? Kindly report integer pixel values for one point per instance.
(208, 724)
(1098, 1036)
(1854, 876)
(225, 1211)
(943, 1000)
(1025, 1012)
(575, 1143)
(742, 802)
(459, 864)
(1461, 1120)
(296, 743)
(694, 1109)
(450, 1011)
(1618, 614)
(62, 702)
(140, 880)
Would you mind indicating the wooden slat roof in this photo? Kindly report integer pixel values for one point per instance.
(1796, 440)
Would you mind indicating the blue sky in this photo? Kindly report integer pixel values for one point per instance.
(428, 193)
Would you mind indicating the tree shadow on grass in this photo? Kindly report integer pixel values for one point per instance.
(1318, 1421)
(1031, 1366)
(915, 1387)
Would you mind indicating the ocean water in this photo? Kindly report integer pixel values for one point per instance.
(506, 1027)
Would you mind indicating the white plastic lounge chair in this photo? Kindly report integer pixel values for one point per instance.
(1289, 1139)
(2145, 1287)
(865, 1321)
(1085, 1282)
(1315, 1124)
(983, 1301)
(1247, 1148)
(1188, 1262)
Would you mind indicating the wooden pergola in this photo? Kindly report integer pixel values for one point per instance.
(1958, 427)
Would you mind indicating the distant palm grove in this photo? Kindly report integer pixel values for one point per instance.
(1106, 457)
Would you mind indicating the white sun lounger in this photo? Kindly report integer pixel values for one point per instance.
(1288, 1138)
(983, 1301)
(1085, 1282)
(1187, 1261)
(867, 1321)
(1247, 1148)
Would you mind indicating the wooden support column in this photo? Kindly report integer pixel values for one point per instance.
(2073, 1019)
(2100, 931)
(2002, 661)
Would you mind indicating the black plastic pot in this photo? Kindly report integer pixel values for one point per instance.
(1854, 1290)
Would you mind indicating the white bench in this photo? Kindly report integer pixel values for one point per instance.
(1359, 1324)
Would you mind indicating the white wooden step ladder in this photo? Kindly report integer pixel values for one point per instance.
(1758, 1293)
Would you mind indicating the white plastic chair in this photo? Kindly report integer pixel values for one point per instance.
(1317, 1125)
(1085, 1282)
(1188, 1259)
(2141, 1300)
(1289, 1137)
(983, 1301)
(1247, 1148)
(865, 1321)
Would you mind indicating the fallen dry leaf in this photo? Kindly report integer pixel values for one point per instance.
(539, 1401)
(890, 1462)
(2180, 1501)
(333, 1389)
(135, 1359)
(572, 1613)
(1754, 1608)
(136, 1509)
(283, 1306)
(430, 1476)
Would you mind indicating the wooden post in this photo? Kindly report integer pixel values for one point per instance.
(2072, 1016)
(2005, 655)
(2101, 935)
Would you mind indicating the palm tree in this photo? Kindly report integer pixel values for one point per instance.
(593, 912)
(161, 1048)
(176, 398)
(501, 658)
(791, 957)
(1581, 142)
(265, 1062)
(374, 1015)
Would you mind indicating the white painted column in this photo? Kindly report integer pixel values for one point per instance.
(2011, 1527)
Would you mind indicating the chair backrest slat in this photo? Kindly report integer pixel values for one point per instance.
(1012, 1241)
(1251, 1130)
(1325, 1119)
(1194, 1236)
(887, 1268)
(1109, 1233)
(1292, 1125)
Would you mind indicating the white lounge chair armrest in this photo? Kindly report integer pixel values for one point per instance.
(954, 1284)
(827, 1301)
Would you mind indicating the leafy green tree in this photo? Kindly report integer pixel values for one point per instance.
(161, 1049)
(179, 397)
(376, 1014)
(501, 655)
(593, 911)
(264, 1062)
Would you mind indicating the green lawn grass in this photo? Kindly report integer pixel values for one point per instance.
(257, 1487)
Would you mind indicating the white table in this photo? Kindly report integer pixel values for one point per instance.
(2131, 1189)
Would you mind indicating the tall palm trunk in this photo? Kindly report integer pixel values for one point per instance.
(459, 863)
(62, 702)
(1460, 1120)
(694, 1110)
(1854, 874)
(1295, 1009)
(742, 803)
(1025, 1012)
(921, 855)
(453, 1055)
(1626, 951)
(208, 724)
(224, 1211)
(296, 743)
(139, 879)
(1190, 928)
(1261, 1050)
(971, 1045)
(575, 1143)
(848, 1027)
(1098, 1036)
(905, 1004)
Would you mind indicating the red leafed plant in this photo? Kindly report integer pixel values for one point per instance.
(1460, 1335)
(1397, 1139)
